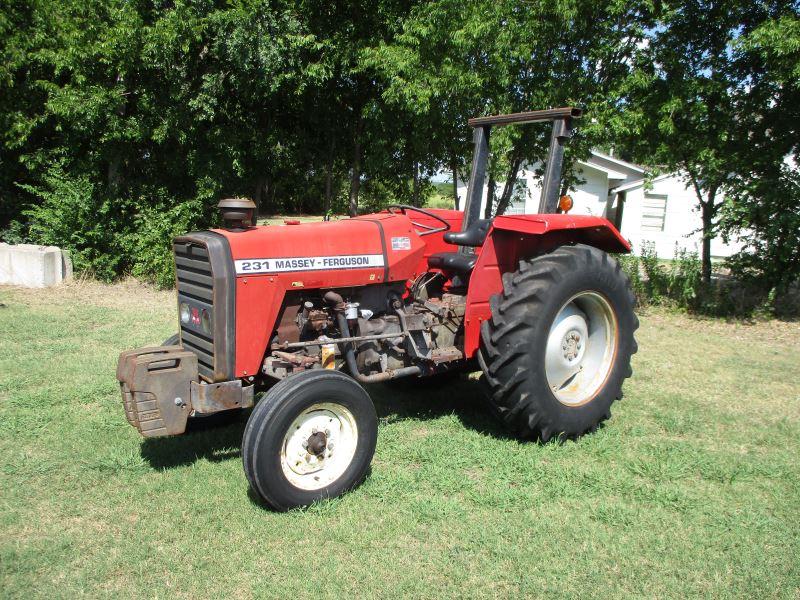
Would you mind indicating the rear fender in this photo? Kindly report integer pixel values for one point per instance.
(516, 237)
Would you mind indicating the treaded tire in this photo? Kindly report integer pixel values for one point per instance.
(272, 417)
(173, 340)
(513, 341)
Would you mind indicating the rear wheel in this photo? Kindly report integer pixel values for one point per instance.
(559, 343)
(311, 437)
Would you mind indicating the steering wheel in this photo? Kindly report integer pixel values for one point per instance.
(427, 228)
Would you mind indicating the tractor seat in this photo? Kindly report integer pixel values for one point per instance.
(453, 262)
(460, 262)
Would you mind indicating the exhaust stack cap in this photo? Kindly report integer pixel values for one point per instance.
(237, 213)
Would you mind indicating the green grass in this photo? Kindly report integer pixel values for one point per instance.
(692, 488)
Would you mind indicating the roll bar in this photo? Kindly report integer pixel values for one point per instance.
(562, 131)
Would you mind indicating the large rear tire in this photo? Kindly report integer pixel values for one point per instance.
(559, 343)
(311, 437)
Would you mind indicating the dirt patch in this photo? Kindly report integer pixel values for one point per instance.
(773, 329)
(124, 294)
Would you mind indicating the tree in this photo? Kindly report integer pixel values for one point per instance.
(764, 214)
(764, 196)
(686, 97)
(455, 60)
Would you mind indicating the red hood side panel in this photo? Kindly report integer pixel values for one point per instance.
(271, 260)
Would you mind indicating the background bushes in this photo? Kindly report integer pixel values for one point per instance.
(123, 122)
(677, 283)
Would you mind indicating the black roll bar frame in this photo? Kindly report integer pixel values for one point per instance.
(482, 126)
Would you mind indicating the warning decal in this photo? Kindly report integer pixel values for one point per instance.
(401, 243)
(307, 263)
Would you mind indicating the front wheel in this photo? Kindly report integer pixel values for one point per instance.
(559, 343)
(311, 437)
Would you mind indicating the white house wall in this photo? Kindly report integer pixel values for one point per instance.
(681, 221)
(681, 218)
(590, 197)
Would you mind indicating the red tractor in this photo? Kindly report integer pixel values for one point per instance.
(534, 301)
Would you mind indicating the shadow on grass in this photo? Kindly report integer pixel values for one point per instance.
(427, 400)
(215, 438)
(219, 437)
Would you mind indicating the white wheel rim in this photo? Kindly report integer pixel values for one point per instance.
(319, 446)
(581, 347)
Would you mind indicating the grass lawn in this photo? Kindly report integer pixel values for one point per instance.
(692, 488)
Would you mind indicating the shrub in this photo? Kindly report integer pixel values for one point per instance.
(74, 215)
(676, 283)
(684, 278)
(439, 201)
(110, 238)
(630, 264)
(150, 244)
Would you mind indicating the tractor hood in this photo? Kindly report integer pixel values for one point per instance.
(359, 251)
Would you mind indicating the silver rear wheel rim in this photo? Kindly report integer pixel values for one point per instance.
(581, 347)
(319, 446)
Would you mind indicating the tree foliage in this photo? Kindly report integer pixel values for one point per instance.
(697, 100)
(122, 122)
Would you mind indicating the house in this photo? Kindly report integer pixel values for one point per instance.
(662, 212)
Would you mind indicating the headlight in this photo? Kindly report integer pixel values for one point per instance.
(206, 322)
(184, 312)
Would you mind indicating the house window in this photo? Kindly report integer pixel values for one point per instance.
(516, 208)
(654, 212)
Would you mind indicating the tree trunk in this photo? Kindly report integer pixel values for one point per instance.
(355, 175)
(708, 209)
(114, 173)
(329, 175)
(454, 167)
(259, 194)
(490, 189)
(508, 189)
(415, 185)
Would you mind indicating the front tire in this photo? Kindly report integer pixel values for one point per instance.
(311, 437)
(559, 343)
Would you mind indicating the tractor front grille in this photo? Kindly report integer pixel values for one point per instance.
(196, 288)
(203, 270)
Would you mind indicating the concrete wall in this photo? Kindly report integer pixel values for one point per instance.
(33, 266)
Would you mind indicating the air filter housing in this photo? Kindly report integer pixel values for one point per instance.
(237, 213)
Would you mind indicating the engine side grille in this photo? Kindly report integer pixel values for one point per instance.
(195, 280)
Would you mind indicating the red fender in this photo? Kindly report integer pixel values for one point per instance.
(515, 237)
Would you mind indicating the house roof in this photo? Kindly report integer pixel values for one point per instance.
(637, 183)
(614, 168)
(618, 161)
